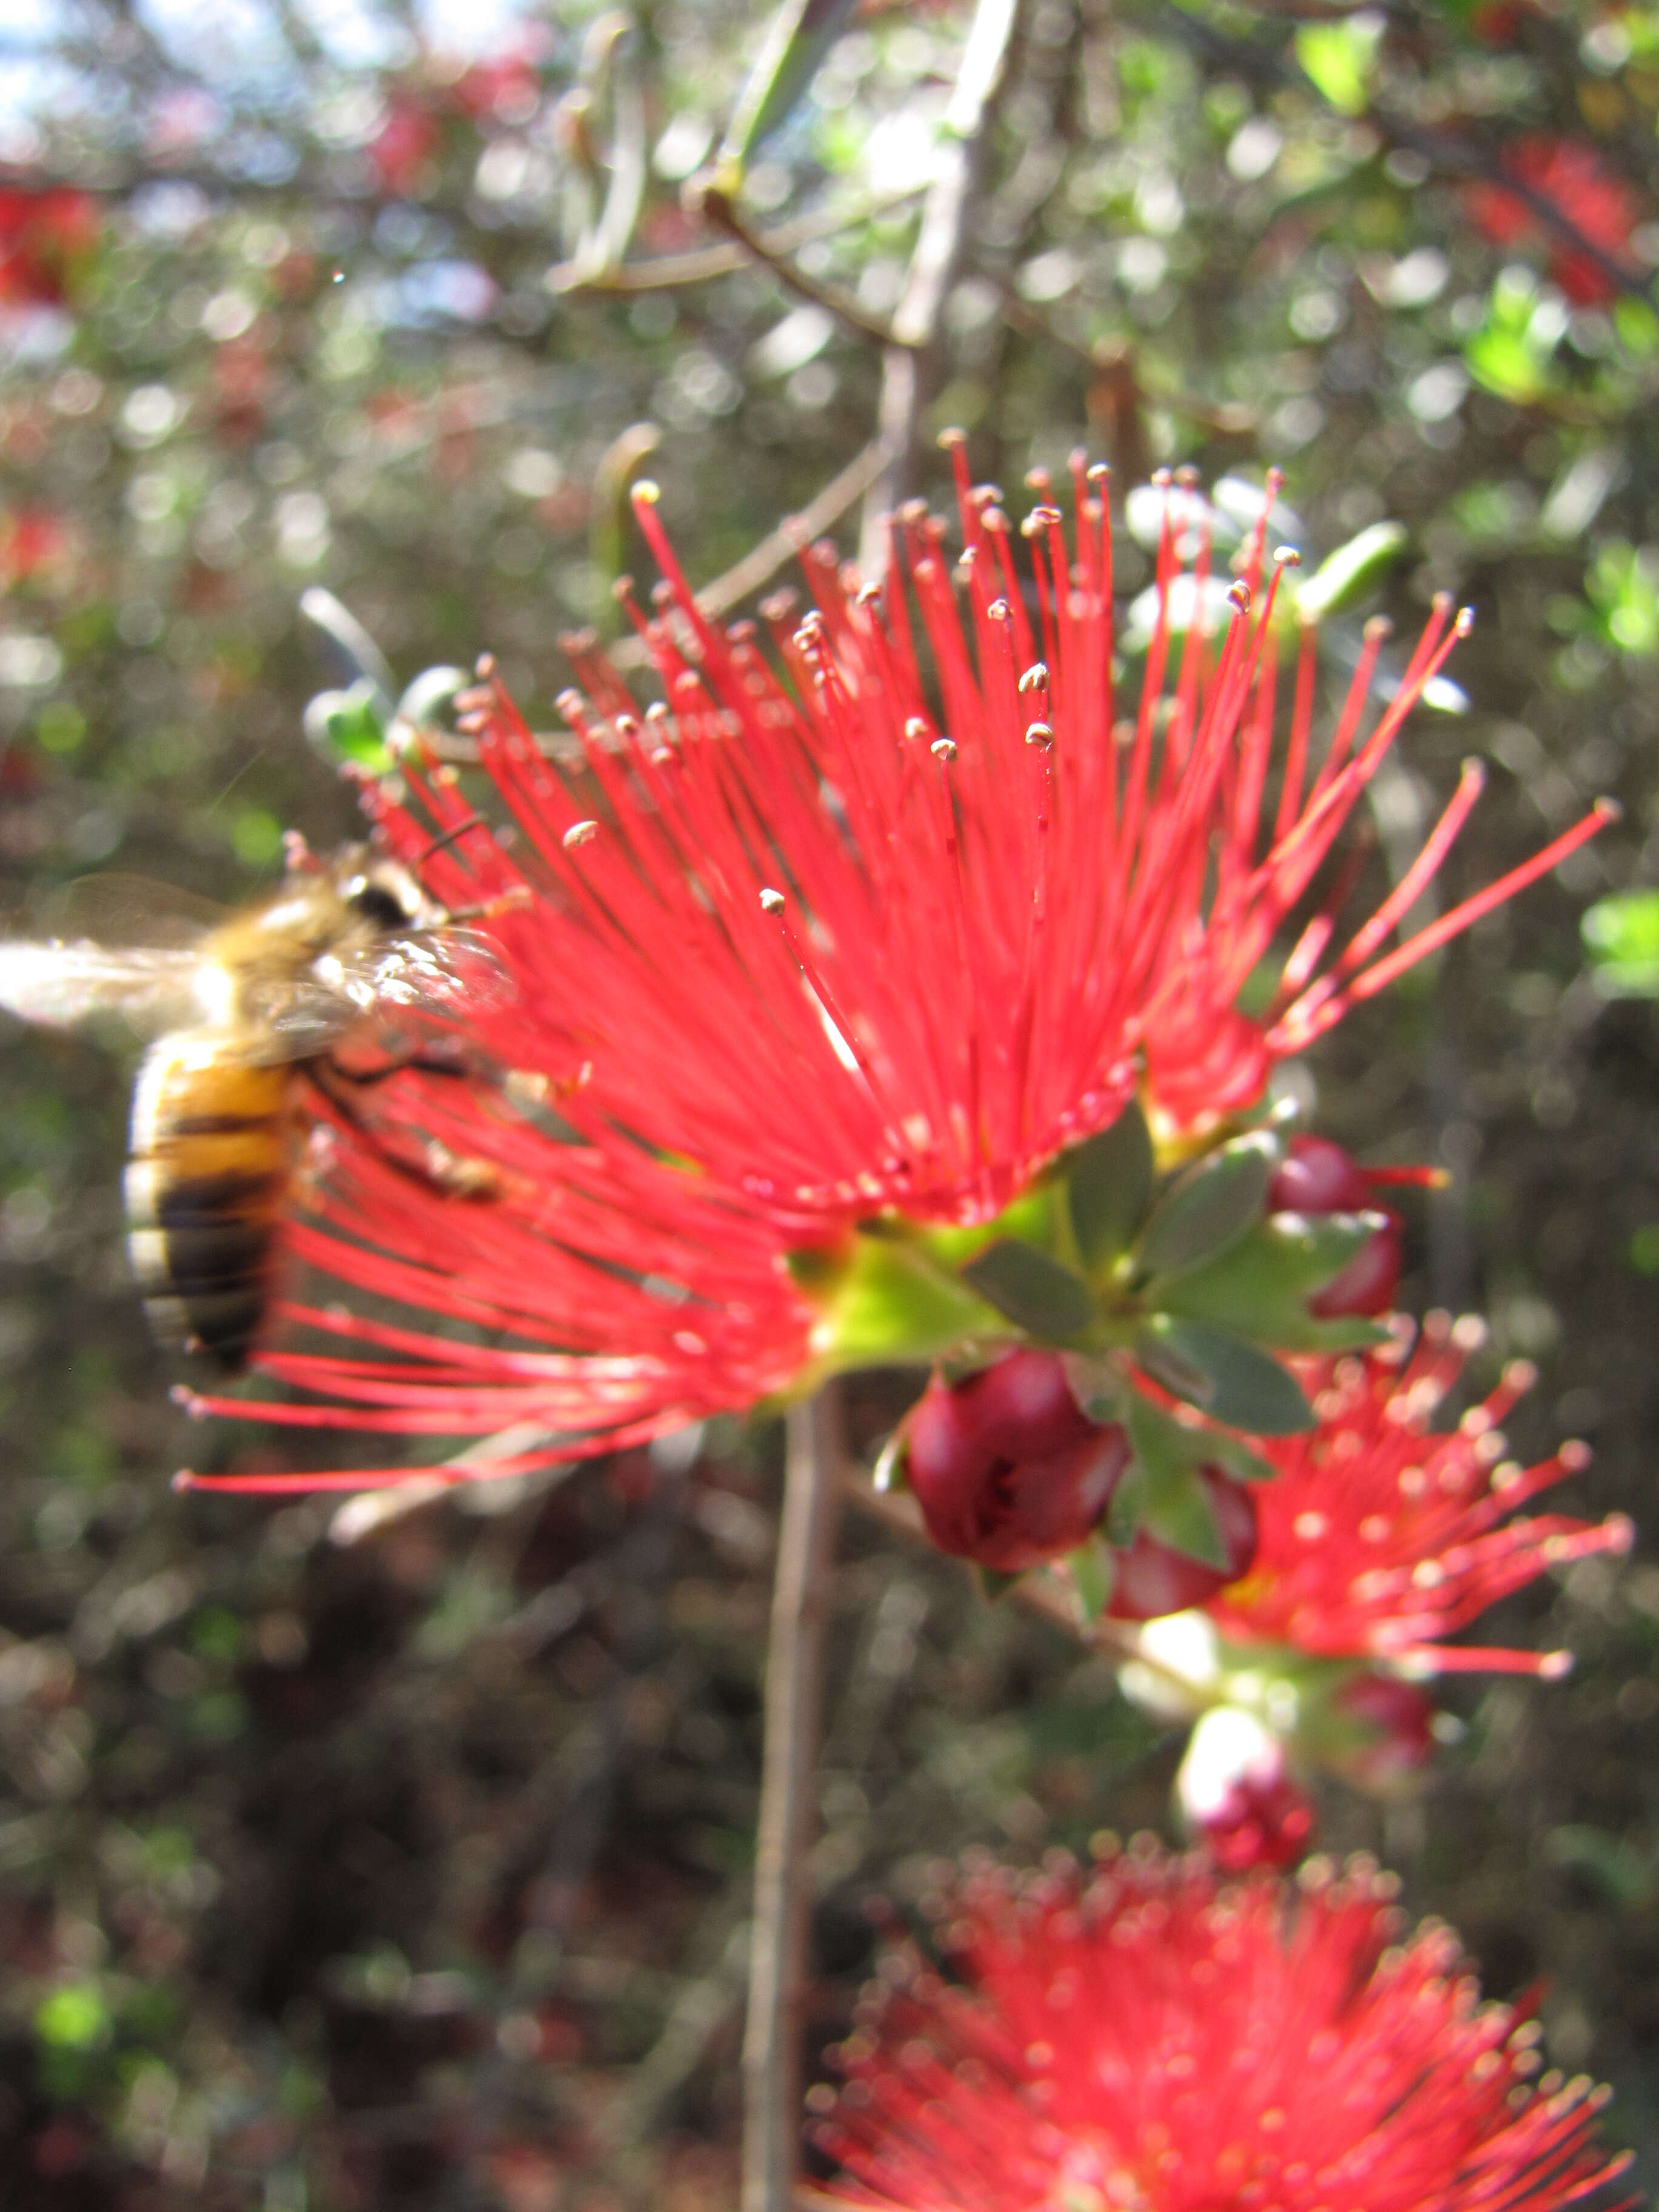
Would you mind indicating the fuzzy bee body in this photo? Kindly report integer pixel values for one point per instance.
(240, 1018)
(212, 1148)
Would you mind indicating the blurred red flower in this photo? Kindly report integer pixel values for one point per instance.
(47, 236)
(1599, 206)
(820, 937)
(400, 151)
(1149, 2035)
(1380, 1537)
(34, 542)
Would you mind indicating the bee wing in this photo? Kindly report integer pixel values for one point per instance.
(131, 914)
(151, 990)
(447, 975)
(451, 974)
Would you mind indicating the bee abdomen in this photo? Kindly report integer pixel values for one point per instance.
(210, 1162)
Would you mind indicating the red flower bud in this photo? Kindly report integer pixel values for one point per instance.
(1317, 1177)
(1153, 1578)
(1006, 1467)
(1396, 1728)
(1237, 1795)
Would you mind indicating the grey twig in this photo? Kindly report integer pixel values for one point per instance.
(907, 360)
(783, 1876)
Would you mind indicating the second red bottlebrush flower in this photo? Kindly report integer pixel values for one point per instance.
(821, 957)
(1144, 2037)
(1380, 1537)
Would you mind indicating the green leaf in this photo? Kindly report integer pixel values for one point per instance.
(1177, 1508)
(1244, 1387)
(1622, 936)
(882, 1302)
(1352, 571)
(1212, 1203)
(1098, 1385)
(1128, 1503)
(349, 728)
(991, 1583)
(800, 34)
(1260, 1285)
(1109, 1182)
(1341, 57)
(1093, 1573)
(1034, 1291)
(888, 1473)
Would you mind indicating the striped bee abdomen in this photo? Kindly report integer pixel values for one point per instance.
(211, 1153)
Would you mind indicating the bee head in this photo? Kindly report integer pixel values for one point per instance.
(383, 892)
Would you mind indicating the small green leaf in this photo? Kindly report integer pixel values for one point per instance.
(888, 1472)
(1177, 1509)
(348, 728)
(1093, 1573)
(1352, 571)
(800, 34)
(1245, 1388)
(1341, 57)
(1260, 1285)
(1109, 1182)
(1034, 1291)
(1098, 1385)
(73, 2018)
(1213, 1202)
(1128, 1505)
(991, 1583)
(881, 1301)
(1622, 935)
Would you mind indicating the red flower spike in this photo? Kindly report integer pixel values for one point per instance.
(973, 944)
(1380, 1538)
(1006, 1469)
(1145, 2034)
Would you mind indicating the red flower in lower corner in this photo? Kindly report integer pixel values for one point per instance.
(1145, 2036)
(45, 237)
(1573, 178)
(1380, 1537)
(822, 940)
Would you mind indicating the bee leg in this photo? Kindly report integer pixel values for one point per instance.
(453, 1175)
(413, 1063)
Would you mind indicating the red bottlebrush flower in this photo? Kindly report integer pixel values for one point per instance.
(1380, 1538)
(1317, 1177)
(1237, 1794)
(34, 542)
(45, 236)
(1006, 1469)
(1600, 206)
(1149, 2035)
(402, 148)
(819, 941)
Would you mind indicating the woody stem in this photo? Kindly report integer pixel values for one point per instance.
(778, 1962)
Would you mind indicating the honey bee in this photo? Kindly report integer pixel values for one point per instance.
(251, 1006)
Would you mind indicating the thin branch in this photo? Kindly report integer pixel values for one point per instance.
(783, 1876)
(718, 209)
(762, 562)
(933, 265)
(668, 270)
